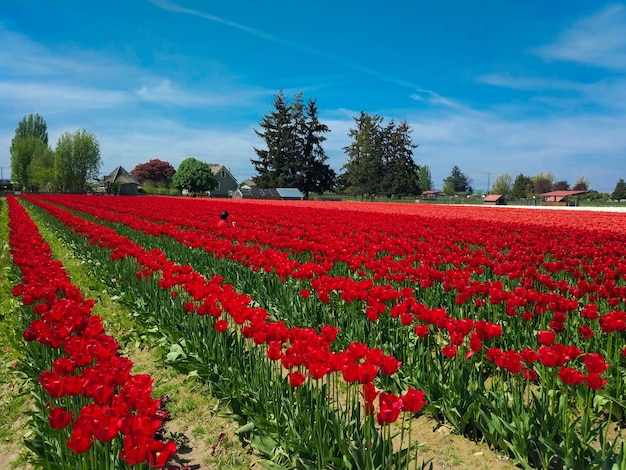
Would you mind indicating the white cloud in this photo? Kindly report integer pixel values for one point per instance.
(165, 93)
(21, 57)
(55, 98)
(597, 40)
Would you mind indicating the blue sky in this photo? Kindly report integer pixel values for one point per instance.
(491, 86)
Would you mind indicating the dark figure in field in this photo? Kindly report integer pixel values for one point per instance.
(223, 222)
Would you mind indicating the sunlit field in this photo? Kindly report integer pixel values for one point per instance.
(329, 328)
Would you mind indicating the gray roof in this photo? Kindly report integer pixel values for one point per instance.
(289, 193)
(120, 175)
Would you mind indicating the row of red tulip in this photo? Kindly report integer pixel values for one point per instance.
(541, 301)
(297, 348)
(595, 268)
(86, 362)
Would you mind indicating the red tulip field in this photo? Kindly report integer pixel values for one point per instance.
(328, 328)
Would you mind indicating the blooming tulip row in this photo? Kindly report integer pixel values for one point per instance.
(496, 300)
(303, 352)
(454, 274)
(88, 387)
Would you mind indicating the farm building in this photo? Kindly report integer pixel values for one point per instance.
(226, 182)
(494, 200)
(431, 194)
(121, 182)
(561, 198)
(292, 194)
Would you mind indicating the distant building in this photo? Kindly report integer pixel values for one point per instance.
(284, 194)
(431, 194)
(226, 182)
(494, 200)
(561, 198)
(121, 182)
(247, 184)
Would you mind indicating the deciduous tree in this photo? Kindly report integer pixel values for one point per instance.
(30, 139)
(194, 176)
(76, 160)
(425, 178)
(561, 185)
(32, 126)
(503, 184)
(24, 151)
(581, 184)
(154, 170)
(543, 182)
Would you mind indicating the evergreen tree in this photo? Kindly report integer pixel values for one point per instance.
(276, 131)
(457, 181)
(364, 168)
(619, 192)
(400, 173)
(313, 173)
(294, 156)
(523, 187)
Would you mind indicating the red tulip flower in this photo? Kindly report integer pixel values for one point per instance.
(413, 400)
(59, 418)
(296, 379)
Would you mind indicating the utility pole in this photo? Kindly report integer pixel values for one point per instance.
(488, 181)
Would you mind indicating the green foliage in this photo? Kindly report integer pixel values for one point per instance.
(27, 151)
(581, 184)
(502, 185)
(457, 181)
(425, 178)
(76, 160)
(31, 158)
(543, 182)
(151, 187)
(294, 156)
(32, 126)
(522, 187)
(194, 176)
(380, 159)
(619, 192)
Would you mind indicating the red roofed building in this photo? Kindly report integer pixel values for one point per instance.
(494, 199)
(560, 198)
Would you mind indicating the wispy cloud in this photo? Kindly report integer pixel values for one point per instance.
(431, 96)
(21, 57)
(608, 93)
(164, 92)
(53, 98)
(597, 40)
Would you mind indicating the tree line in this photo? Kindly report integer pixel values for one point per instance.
(74, 161)
(380, 156)
(379, 160)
